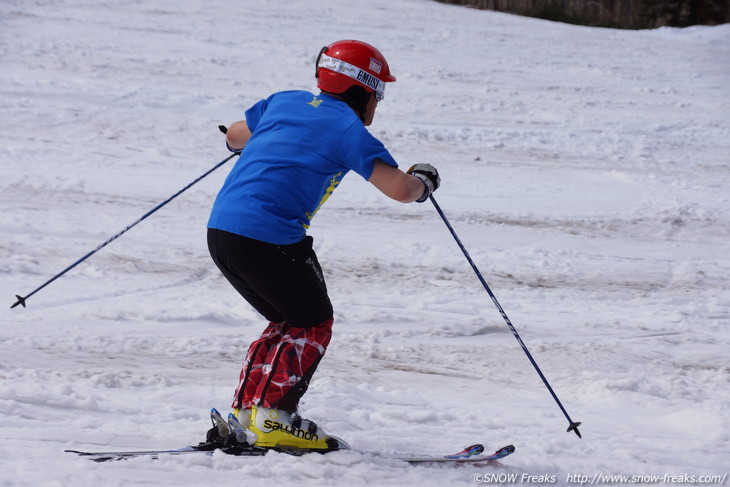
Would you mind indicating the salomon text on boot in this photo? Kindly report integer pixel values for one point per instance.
(275, 428)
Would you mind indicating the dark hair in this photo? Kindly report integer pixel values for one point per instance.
(357, 97)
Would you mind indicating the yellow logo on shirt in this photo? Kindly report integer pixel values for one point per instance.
(334, 182)
(315, 102)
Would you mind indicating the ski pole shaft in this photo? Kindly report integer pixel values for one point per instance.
(573, 425)
(22, 299)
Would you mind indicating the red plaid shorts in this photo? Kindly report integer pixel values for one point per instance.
(280, 364)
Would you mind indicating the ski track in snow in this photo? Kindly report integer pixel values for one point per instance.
(585, 170)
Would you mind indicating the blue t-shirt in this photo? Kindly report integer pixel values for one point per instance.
(301, 147)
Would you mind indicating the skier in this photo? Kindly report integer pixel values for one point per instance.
(298, 147)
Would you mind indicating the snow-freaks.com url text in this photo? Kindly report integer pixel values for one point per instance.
(599, 479)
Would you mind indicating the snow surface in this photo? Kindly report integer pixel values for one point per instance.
(586, 170)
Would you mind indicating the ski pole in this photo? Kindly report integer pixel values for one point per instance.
(22, 299)
(573, 425)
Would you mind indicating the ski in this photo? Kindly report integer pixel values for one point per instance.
(106, 456)
(472, 454)
(232, 438)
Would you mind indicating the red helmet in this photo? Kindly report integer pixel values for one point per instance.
(343, 64)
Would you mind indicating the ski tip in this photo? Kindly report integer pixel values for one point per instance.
(223, 128)
(21, 300)
(574, 427)
(475, 449)
(502, 452)
(469, 451)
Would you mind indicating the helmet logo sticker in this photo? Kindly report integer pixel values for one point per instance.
(375, 65)
(368, 79)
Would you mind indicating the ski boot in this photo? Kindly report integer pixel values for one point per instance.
(283, 430)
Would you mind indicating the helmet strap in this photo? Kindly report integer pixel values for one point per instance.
(319, 56)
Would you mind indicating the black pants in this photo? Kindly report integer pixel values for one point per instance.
(283, 282)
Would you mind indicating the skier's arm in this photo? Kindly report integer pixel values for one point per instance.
(238, 135)
(398, 185)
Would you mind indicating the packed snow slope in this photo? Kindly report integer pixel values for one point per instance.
(586, 170)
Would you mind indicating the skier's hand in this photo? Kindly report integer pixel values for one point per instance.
(430, 177)
(237, 135)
